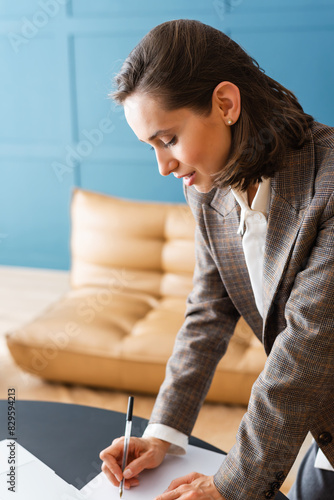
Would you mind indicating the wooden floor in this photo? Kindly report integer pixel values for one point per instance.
(24, 294)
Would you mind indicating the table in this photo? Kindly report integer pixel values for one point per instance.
(68, 438)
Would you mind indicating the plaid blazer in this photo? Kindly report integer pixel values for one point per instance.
(294, 392)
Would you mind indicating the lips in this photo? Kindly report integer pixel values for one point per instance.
(182, 176)
(189, 179)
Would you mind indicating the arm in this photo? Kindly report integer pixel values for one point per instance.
(200, 344)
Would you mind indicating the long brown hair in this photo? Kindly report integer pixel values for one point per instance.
(181, 62)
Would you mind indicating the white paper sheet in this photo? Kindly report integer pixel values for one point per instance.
(154, 482)
(36, 481)
(22, 456)
(33, 479)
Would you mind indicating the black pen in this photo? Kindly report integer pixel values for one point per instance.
(127, 435)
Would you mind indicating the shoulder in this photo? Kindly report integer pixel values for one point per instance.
(323, 139)
(323, 136)
(308, 172)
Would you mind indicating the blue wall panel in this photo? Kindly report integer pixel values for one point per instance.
(133, 8)
(32, 106)
(97, 59)
(140, 181)
(28, 8)
(34, 215)
(60, 130)
(310, 78)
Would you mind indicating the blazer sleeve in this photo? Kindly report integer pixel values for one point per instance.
(294, 393)
(200, 344)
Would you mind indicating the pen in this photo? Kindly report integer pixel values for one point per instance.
(127, 434)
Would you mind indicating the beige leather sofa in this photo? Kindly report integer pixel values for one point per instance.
(131, 271)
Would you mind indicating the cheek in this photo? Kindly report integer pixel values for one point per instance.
(194, 153)
(218, 155)
(192, 158)
(205, 150)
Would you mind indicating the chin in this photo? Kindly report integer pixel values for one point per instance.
(203, 189)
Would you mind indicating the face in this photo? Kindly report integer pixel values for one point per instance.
(189, 146)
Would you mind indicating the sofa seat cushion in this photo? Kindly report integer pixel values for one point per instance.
(132, 265)
(124, 343)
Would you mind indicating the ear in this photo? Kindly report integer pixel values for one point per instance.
(226, 98)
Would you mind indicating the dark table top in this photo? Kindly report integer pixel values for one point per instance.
(68, 438)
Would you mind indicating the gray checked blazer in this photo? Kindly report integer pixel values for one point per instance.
(294, 392)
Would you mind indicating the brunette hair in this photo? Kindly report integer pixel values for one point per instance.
(181, 62)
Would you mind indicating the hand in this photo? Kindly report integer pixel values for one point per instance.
(144, 453)
(195, 486)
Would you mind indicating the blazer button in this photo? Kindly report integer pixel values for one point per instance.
(275, 485)
(280, 476)
(269, 494)
(325, 438)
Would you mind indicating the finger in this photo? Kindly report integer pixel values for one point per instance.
(118, 440)
(129, 483)
(109, 474)
(189, 478)
(136, 466)
(113, 466)
(112, 457)
(170, 495)
(116, 446)
(115, 449)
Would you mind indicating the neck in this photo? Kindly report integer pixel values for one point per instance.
(251, 192)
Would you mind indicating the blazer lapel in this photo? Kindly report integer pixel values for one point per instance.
(283, 227)
(291, 193)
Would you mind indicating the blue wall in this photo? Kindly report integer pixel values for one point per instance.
(59, 130)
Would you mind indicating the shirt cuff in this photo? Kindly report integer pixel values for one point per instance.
(178, 440)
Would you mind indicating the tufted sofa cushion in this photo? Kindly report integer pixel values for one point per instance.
(132, 265)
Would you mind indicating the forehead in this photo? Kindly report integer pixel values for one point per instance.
(146, 116)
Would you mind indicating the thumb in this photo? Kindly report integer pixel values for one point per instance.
(148, 460)
(134, 468)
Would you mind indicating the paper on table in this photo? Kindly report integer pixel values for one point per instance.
(33, 479)
(36, 481)
(154, 482)
(22, 456)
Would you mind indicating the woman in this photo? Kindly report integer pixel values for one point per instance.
(258, 174)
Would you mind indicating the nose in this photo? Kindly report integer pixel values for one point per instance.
(166, 164)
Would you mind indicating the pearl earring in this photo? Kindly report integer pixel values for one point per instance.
(229, 121)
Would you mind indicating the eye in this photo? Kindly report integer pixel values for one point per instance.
(167, 145)
(170, 143)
